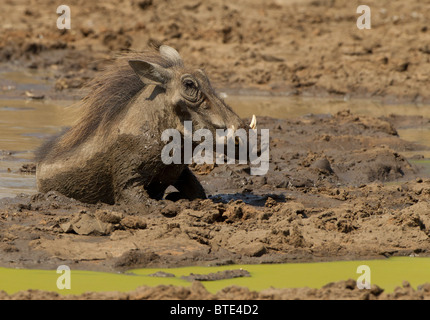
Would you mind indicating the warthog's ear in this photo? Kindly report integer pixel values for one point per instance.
(150, 73)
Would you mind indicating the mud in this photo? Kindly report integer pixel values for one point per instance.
(281, 46)
(337, 188)
(342, 290)
(220, 275)
(340, 186)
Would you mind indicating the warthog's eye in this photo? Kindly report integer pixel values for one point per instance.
(190, 89)
(189, 84)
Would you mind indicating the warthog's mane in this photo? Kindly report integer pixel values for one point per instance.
(108, 94)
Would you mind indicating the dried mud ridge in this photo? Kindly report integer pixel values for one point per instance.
(337, 188)
(220, 275)
(342, 290)
(286, 47)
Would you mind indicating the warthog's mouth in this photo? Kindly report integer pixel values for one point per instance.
(248, 146)
(252, 125)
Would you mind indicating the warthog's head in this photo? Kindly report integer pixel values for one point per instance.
(188, 93)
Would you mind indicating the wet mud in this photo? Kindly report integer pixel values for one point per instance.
(337, 188)
(342, 290)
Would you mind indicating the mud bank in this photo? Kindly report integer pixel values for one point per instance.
(342, 290)
(338, 188)
(284, 47)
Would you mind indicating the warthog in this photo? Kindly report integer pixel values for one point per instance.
(112, 154)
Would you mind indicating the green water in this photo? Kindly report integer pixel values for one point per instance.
(386, 273)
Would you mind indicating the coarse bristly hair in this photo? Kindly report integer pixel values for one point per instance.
(108, 94)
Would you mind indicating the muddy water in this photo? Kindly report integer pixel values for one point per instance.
(25, 123)
(387, 274)
(291, 107)
(23, 126)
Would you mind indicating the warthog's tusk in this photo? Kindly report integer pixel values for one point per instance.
(253, 124)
